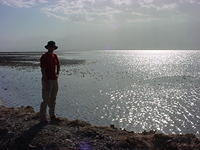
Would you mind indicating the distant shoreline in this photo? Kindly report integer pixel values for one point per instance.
(80, 50)
(31, 59)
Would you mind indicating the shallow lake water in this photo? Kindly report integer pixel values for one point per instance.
(135, 90)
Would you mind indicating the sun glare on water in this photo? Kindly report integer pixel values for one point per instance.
(154, 51)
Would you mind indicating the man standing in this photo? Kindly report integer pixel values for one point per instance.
(50, 68)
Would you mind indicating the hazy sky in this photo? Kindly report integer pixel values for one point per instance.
(99, 24)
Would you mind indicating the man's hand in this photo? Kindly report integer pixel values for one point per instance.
(44, 78)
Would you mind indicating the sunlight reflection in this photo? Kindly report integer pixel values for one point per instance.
(153, 52)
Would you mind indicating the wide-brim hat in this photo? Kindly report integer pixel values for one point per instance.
(51, 44)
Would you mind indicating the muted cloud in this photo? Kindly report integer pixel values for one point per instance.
(105, 10)
(190, 1)
(122, 2)
(95, 10)
(115, 10)
(158, 7)
(22, 3)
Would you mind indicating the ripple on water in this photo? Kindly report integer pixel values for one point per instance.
(169, 110)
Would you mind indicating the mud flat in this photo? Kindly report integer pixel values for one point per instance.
(30, 59)
(20, 129)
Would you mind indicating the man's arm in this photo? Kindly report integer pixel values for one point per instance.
(58, 65)
(43, 73)
(42, 65)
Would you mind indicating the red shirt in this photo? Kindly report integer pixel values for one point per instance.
(51, 64)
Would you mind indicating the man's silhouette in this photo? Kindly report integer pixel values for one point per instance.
(50, 68)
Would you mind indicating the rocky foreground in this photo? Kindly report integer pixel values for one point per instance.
(20, 130)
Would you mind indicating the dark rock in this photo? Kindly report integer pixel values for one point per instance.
(78, 123)
(3, 132)
(160, 140)
(133, 143)
(112, 126)
(87, 132)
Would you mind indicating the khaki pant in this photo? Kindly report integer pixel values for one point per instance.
(49, 93)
